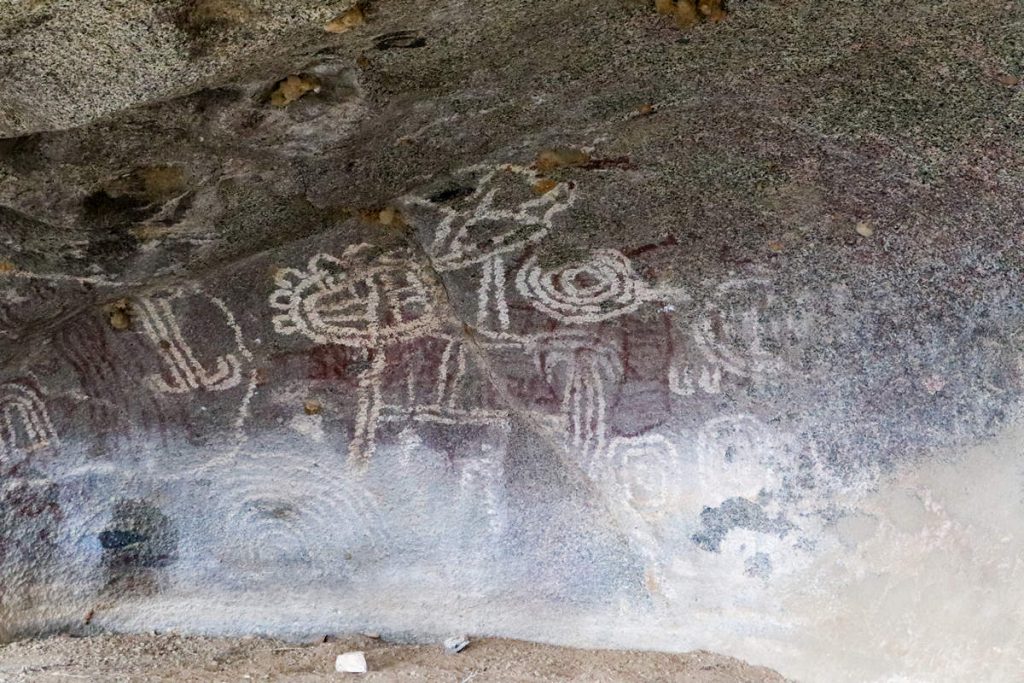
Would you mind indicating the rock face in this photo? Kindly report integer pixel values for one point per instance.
(546, 322)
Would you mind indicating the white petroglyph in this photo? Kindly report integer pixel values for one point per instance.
(481, 480)
(682, 382)
(503, 213)
(449, 401)
(243, 410)
(582, 366)
(160, 325)
(25, 424)
(493, 299)
(749, 331)
(373, 307)
(601, 287)
(644, 470)
(160, 315)
(365, 306)
(364, 436)
(294, 514)
(507, 210)
(738, 456)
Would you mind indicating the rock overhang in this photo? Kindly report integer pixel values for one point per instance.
(699, 377)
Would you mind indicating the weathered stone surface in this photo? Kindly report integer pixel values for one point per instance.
(743, 375)
(69, 62)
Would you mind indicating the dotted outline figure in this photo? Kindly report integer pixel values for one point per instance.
(21, 403)
(456, 244)
(636, 460)
(682, 383)
(360, 306)
(333, 302)
(453, 246)
(639, 471)
(446, 390)
(160, 325)
(754, 358)
(589, 367)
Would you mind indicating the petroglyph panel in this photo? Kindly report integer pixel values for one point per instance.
(463, 408)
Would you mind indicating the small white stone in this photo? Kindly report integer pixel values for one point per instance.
(350, 663)
(864, 229)
(456, 644)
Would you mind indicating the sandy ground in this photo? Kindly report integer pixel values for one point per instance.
(174, 658)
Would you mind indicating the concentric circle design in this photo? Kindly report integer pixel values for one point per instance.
(276, 516)
(645, 469)
(602, 287)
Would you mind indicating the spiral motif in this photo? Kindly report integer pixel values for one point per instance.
(602, 287)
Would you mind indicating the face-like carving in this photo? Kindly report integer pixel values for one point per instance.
(362, 306)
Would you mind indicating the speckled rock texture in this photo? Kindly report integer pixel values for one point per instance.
(539, 320)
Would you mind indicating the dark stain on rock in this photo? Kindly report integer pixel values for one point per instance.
(111, 219)
(452, 194)
(113, 540)
(198, 15)
(29, 21)
(735, 513)
(114, 211)
(138, 541)
(399, 39)
(273, 509)
(205, 21)
(620, 162)
(22, 154)
(758, 565)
